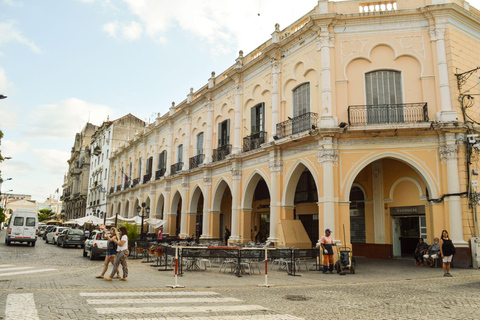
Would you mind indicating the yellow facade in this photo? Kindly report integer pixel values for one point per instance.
(353, 98)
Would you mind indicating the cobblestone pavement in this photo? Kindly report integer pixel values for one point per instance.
(61, 284)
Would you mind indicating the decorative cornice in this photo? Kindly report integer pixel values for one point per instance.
(276, 167)
(448, 153)
(207, 182)
(328, 156)
(236, 174)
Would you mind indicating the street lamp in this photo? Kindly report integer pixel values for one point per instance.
(145, 210)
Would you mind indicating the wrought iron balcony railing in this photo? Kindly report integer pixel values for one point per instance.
(159, 173)
(304, 122)
(135, 182)
(76, 195)
(254, 141)
(119, 187)
(388, 113)
(112, 190)
(147, 178)
(221, 152)
(196, 161)
(126, 185)
(176, 167)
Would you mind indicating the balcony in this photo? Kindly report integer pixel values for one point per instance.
(112, 190)
(254, 141)
(222, 152)
(135, 182)
(196, 161)
(119, 188)
(126, 185)
(98, 202)
(159, 173)
(76, 195)
(388, 114)
(147, 178)
(304, 122)
(176, 167)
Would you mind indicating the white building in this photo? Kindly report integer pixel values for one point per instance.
(109, 136)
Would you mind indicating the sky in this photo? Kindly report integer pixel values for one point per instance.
(66, 62)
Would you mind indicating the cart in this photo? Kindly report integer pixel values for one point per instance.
(345, 261)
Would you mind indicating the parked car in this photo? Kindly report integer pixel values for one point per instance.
(48, 230)
(53, 235)
(41, 229)
(71, 237)
(95, 244)
(22, 227)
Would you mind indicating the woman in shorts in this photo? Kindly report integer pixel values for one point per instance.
(447, 250)
(111, 253)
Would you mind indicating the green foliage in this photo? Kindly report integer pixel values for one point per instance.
(1, 158)
(2, 215)
(132, 231)
(45, 214)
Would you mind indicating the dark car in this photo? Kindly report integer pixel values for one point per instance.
(71, 237)
(47, 230)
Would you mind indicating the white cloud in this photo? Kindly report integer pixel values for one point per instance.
(63, 120)
(225, 25)
(8, 118)
(9, 33)
(132, 31)
(11, 148)
(53, 161)
(13, 3)
(111, 28)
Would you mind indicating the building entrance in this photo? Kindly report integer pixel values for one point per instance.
(409, 224)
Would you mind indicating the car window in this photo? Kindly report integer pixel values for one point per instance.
(99, 236)
(18, 221)
(91, 236)
(30, 222)
(76, 232)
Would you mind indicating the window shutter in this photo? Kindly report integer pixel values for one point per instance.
(253, 119)
(262, 117)
(219, 133)
(227, 140)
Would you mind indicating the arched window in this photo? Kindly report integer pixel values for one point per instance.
(383, 91)
(301, 99)
(180, 153)
(199, 143)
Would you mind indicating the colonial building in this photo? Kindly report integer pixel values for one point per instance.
(75, 184)
(348, 119)
(109, 136)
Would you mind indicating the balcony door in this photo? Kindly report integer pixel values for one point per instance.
(258, 119)
(384, 97)
(199, 144)
(224, 133)
(301, 106)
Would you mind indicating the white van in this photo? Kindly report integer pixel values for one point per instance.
(22, 227)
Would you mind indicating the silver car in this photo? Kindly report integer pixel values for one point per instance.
(53, 236)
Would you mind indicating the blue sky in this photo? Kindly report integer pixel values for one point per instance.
(65, 61)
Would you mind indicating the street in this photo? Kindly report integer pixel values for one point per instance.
(49, 282)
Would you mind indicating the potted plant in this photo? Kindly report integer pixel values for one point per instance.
(159, 251)
(151, 249)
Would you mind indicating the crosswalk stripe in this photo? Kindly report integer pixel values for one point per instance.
(6, 265)
(180, 309)
(21, 307)
(16, 268)
(254, 317)
(25, 272)
(146, 293)
(166, 300)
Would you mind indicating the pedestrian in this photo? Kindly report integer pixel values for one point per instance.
(122, 254)
(326, 242)
(447, 250)
(432, 252)
(227, 235)
(87, 233)
(160, 234)
(111, 252)
(420, 250)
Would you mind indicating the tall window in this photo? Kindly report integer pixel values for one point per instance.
(357, 216)
(162, 160)
(200, 143)
(139, 168)
(301, 100)
(258, 118)
(180, 153)
(224, 133)
(149, 166)
(383, 90)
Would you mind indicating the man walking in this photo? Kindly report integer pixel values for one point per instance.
(326, 242)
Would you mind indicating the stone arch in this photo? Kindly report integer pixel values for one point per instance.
(414, 181)
(126, 209)
(292, 180)
(218, 194)
(197, 191)
(159, 208)
(423, 173)
(250, 186)
(175, 201)
(136, 204)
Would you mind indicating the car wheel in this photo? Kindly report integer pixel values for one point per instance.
(92, 257)
(63, 244)
(46, 240)
(84, 252)
(33, 243)
(54, 242)
(7, 242)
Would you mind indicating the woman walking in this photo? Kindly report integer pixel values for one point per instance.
(447, 250)
(111, 252)
(122, 253)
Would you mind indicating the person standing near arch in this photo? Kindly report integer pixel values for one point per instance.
(447, 251)
(326, 242)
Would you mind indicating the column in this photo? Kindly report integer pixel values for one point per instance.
(169, 148)
(276, 167)
(324, 44)
(155, 157)
(327, 157)
(378, 208)
(449, 155)
(209, 133)
(144, 160)
(167, 214)
(186, 146)
(237, 179)
(437, 34)
(207, 183)
(237, 138)
(183, 220)
(276, 66)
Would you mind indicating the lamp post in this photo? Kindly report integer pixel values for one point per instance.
(145, 210)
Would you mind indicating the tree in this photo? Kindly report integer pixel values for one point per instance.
(2, 215)
(45, 214)
(1, 158)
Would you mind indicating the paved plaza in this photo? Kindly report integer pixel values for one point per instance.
(48, 282)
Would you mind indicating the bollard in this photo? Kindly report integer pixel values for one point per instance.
(176, 272)
(266, 272)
